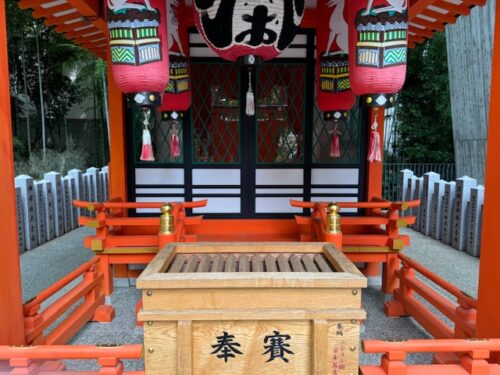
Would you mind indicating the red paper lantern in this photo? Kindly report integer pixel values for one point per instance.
(334, 95)
(137, 31)
(378, 34)
(235, 28)
(177, 96)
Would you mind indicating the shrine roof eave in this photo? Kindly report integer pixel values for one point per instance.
(82, 22)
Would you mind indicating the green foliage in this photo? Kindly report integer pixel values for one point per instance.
(423, 114)
(20, 149)
(35, 166)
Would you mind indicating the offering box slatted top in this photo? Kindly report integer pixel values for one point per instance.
(201, 299)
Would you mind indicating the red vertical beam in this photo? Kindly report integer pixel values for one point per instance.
(375, 170)
(117, 148)
(11, 308)
(488, 322)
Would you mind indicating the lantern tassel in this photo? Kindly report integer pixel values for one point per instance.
(250, 105)
(335, 146)
(374, 154)
(175, 149)
(147, 148)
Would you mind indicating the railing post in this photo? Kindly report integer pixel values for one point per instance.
(476, 362)
(103, 313)
(110, 366)
(333, 232)
(395, 308)
(167, 225)
(393, 363)
(33, 319)
(23, 366)
(467, 315)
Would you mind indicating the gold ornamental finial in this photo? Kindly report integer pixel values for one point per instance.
(167, 219)
(333, 219)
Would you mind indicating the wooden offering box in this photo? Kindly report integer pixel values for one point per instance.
(251, 309)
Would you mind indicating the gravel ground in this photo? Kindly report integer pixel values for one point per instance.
(48, 263)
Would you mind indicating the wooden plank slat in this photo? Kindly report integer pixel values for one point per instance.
(309, 264)
(322, 263)
(283, 263)
(230, 264)
(218, 265)
(179, 261)
(205, 263)
(296, 263)
(270, 263)
(185, 347)
(244, 263)
(257, 265)
(192, 263)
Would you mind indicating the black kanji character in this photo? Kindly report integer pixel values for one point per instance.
(226, 347)
(277, 348)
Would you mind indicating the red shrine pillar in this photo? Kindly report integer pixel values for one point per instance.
(488, 322)
(117, 146)
(11, 307)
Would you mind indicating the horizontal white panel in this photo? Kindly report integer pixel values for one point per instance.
(279, 191)
(216, 191)
(220, 206)
(276, 205)
(159, 176)
(158, 191)
(337, 199)
(155, 199)
(334, 191)
(340, 176)
(216, 177)
(195, 38)
(279, 176)
(297, 53)
(300, 39)
(201, 52)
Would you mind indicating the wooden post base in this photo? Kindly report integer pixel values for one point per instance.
(394, 309)
(104, 314)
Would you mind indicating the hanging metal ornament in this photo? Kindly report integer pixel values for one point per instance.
(147, 153)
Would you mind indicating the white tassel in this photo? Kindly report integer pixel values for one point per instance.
(250, 105)
(147, 153)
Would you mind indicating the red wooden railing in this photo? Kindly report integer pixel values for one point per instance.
(473, 357)
(462, 312)
(46, 359)
(90, 289)
(115, 229)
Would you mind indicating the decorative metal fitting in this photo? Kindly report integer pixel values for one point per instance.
(352, 348)
(149, 322)
(151, 350)
(333, 219)
(167, 219)
(149, 293)
(354, 292)
(353, 321)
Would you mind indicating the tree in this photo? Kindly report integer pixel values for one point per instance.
(423, 115)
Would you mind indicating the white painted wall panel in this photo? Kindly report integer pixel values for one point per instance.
(276, 205)
(279, 176)
(326, 176)
(220, 206)
(216, 177)
(159, 176)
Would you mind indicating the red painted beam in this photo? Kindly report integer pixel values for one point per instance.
(488, 310)
(11, 308)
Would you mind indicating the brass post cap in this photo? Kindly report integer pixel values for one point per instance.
(166, 209)
(333, 208)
